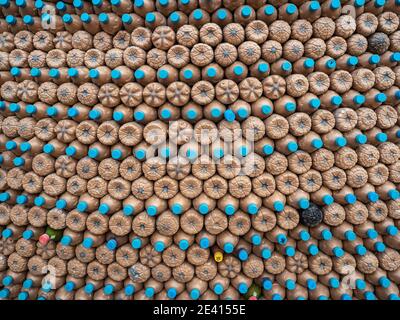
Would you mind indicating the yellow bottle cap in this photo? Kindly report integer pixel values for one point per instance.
(218, 256)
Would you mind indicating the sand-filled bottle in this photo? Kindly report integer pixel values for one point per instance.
(90, 23)
(196, 287)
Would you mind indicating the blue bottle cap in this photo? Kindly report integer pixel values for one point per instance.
(66, 240)
(218, 289)
(14, 107)
(369, 295)
(359, 99)
(395, 57)
(165, 114)
(372, 234)
(394, 296)
(263, 67)
(188, 74)
(361, 138)
(346, 296)
(82, 206)
(20, 3)
(218, 153)
(216, 113)
(304, 235)
(115, 74)
(380, 246)
(108, 289)
(266, 109)
(163, 74)
(128, 210)
(15, 71)
(4, 293)
(292, 146)
(360, 284)
(51, 111)
(72, 112)
(11, 145)
(243, 151)
(379, 3)
(229, 115)
(291, 9)
(4, 196)
(174, 17)
(374, 59)
(350, 235)
(151, 210)
(73, 72)
(7, 233)
(228, 247)
(336, 100)
(221, 14)
(361, 250)
(277, 296)
(27, 234)
(204, 243)
(380, 97)
(394, 194)
(104, 208)
(315, 103)
(229, 209)
(5, 3)
(243, 255)
(326, 234)
(252, 208)
(256, 240)
(268, 150)
(94, 73)
(238, 70)
(286, 66)
(330, 64)
(266, 253)
(290, 251)
(278, 206)
(183, 244)
(341, 141)
(93, 153)
(61, 204)
(290, 284)
(211, 72)
(89, 288)
(313, 249)
(138, 115)
(327, 199)
(335, 4)
(384, 282)
(39, 201)
(139, 3)
(246, 11)
(191, 114)
(311, 284)
(126, 18)
(338, 252)
(314, 6)
(334, 283)
(350, 198)
(111, 244)
(21, 199)
(115, 2)
(197, 14)
(392, 230)
(70, 151)
(269, 10)
(39, 4)
(243, 288)
(11, 19)
(317, 143)
(139, 74)
(7, 280)
(140, 154)
(281, 238)
(116, 154)
(290, 107)
(159, 246)
(69, 286)
(352, 61)
(171, 293)
(194, 294)
(304, 203)
(149, 292)
(309, 63)
(373, 196)
(27, 284)
(18, 161)
(28, 19)
(87, 243)
(136, 243)
(203, 208)
(150, 17)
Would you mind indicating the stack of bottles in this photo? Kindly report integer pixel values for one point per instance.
(199, 149)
